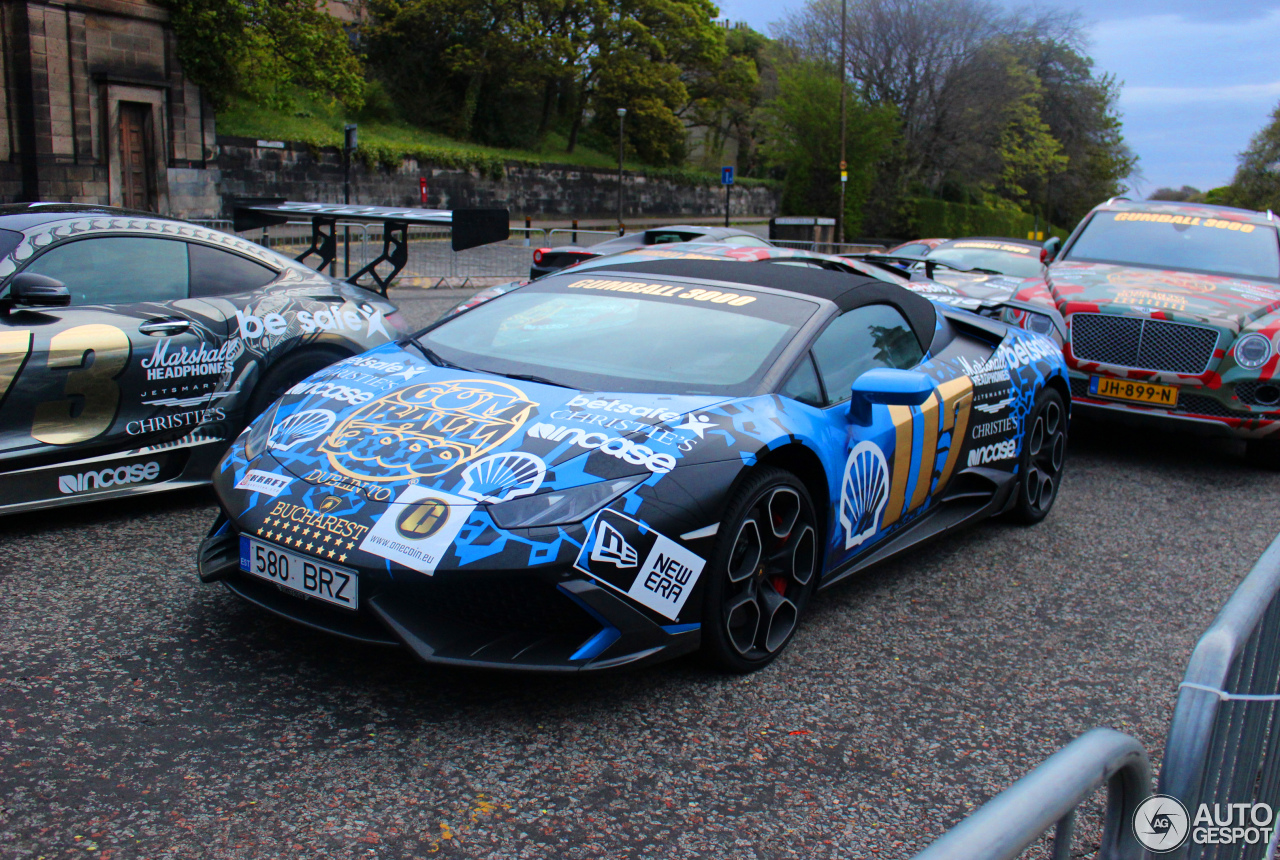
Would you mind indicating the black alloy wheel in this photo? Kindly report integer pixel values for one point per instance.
(1044, 454)
(763, 571)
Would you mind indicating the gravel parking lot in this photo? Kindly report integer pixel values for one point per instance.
(143, 714)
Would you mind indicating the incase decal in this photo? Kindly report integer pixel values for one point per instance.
(989, 453)
(615, 446)
(267, 483)
(662, 582)
(118, 476)
(418, 528)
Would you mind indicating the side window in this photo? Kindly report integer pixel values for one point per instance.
(803, 384)
(221, 273)
(861, 339)
(745, 241)
(118, 269)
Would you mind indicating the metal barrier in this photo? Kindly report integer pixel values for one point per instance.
(826, 247)
(593, 237)
(1222, 745)
(1048, 796)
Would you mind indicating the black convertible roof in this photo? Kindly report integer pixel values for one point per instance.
(847, 291)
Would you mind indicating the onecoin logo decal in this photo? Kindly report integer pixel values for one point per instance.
(422, 520)
(1161, 823)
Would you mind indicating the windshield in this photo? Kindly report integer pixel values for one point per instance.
(1185, 242)
(1007, 258)
(604, 334)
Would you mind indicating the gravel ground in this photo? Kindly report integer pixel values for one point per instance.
(145, 715)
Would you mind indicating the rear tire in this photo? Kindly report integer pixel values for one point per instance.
(1044, 451)
(286, 373)
(762, 572)
(1263, 453)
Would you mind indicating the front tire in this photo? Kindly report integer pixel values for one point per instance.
(1044, 452)
(286, 373)
(763, 570)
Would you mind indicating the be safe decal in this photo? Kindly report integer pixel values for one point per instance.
(648, 567)
(418, 528)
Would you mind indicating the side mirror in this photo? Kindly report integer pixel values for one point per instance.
(27, 289)
(890, 387)
(1049, 251)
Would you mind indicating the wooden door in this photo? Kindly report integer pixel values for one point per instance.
(135, 164)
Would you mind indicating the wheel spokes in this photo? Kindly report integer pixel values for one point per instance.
(744, 560)
(742, 620)
(804, 556)
(781, 615)
(784, 509)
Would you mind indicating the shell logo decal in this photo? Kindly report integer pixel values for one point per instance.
(425, 430)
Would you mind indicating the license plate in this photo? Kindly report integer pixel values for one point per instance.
(309, 576)
(1134, 391)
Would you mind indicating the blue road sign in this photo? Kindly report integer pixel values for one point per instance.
(726, 176)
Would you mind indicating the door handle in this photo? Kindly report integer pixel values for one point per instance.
(164, 327)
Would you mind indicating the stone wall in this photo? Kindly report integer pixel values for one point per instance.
(66, 68)
(294, 172)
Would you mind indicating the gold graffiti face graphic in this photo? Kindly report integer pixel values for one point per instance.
(425, 430)
(1159, 280)
(423, 519)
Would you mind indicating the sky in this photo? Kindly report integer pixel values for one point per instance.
(1200, 77)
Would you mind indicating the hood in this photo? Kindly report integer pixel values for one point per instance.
(1231, 303)
(388, 419)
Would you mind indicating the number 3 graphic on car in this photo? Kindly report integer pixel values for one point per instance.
(55, 422)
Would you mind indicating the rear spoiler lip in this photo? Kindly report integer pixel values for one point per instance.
(471, 228)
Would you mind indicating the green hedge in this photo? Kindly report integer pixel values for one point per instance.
(938, 218)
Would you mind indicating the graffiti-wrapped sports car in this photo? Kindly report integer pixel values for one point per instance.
(134, 347)
(715, 251)
(619, 466)
(1172, 311)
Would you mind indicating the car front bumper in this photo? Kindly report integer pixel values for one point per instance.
(1201, 411)
(549, 619)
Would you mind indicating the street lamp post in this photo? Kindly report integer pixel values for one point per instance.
(622, 119)
(349, 143)
(844, 165)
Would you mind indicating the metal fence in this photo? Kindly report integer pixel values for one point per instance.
(1048, 797)
(826, 247)
(1222, 746)
(1223, 750)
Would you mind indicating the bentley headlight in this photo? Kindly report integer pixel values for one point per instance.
(560, 507)
(1039, 323)
(259, 432)
(1252, 350)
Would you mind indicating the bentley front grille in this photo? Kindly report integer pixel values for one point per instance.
(1141, 343)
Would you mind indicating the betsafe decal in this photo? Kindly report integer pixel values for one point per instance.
(612, 556)
(426, 429)
(418, 528)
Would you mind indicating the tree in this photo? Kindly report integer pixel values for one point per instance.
(266, 49)
(1177, 195)
(1256, 184)
(802, 135)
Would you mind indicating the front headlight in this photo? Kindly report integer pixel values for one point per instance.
(1252, 350)
(1038, 323)
(560, 507)
(259, 432)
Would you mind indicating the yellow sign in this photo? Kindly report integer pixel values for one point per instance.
(1187, 220)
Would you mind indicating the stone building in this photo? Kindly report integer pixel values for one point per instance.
(95, 109)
